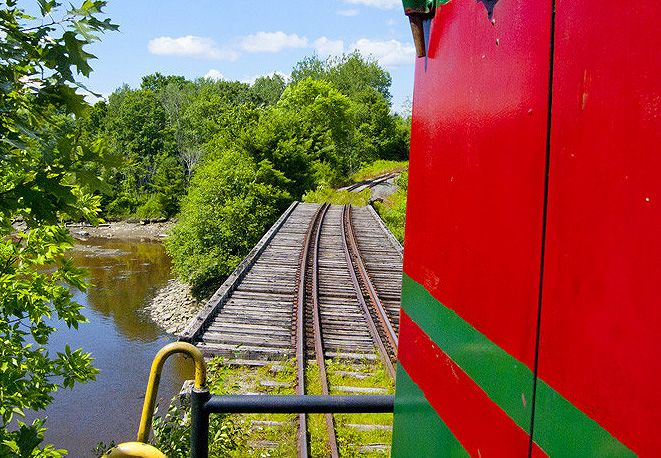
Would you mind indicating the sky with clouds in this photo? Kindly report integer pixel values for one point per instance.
(241, 40)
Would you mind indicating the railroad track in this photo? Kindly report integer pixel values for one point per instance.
(322, 286)
(366, 184)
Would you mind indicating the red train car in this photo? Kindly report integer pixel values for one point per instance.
(532, 266)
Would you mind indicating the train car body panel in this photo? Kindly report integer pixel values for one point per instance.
(474, 228)
(602, 267)
(533, 186)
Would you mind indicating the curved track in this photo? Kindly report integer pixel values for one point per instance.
(366, 184)
(309, 305)
(324, 286)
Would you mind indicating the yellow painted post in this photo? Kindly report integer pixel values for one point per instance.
(155, 378)
(141, 449)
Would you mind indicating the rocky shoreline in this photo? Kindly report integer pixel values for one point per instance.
(173, 307)
(125, 230)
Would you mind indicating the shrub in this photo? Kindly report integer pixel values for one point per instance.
(153, 208)
(172, 432)
(231, 202)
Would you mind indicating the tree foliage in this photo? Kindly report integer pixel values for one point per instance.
(47, 173)
(230, 203)
(306, 135)
(312, 133)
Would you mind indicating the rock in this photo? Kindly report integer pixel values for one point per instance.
(83, 233)
(173, 307)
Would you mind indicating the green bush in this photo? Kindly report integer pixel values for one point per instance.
(231, 202)
(172, 432)
(153, 208)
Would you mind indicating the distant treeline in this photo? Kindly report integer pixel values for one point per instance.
(227, 157)
(317, 128)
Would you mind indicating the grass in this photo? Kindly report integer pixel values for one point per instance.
(336, 197)
(349, 438)
(393, 209)
(259, 437)
(378, 168)
(267, 440)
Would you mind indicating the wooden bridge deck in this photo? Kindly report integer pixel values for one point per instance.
(251, 318)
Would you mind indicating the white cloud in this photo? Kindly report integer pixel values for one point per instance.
(253, 78)
(348, 12)
(271, 42)
(213, 74)
(190, 46)
(388, 53)
(381, 4)
(327, 47)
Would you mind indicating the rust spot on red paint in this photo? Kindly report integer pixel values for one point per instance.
(587, 79)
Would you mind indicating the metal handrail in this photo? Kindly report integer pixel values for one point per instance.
(203, 404)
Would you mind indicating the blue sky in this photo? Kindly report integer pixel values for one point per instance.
(241, 40)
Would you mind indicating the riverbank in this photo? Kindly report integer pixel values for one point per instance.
(138, 231)
(173, 307)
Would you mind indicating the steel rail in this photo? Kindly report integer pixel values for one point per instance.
(299, 318)
(377, 306)
(373, 329)
(318, 337)
(371, 183)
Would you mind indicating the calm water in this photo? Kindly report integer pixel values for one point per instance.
(123, 341)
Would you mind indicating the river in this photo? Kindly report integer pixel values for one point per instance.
(123, 341)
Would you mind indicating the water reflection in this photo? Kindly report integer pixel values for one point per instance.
(123, 275)
(123, 342)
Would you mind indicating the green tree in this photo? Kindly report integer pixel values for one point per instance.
(44, 177)
(352, 74)
(306, 135)
(379, 134)
(169, 185)
(219, 108)
(231, 202)
(175, 97)
(137, 131)
(268, 89)
(157, 81)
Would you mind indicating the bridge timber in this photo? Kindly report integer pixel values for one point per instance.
(251, 318)
(324, 283)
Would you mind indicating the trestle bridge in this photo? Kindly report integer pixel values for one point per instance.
(324, 283)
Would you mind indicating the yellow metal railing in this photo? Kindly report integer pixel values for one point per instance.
(141, 449)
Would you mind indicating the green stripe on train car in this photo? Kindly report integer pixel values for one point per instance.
(418, 431)
(560, 428)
